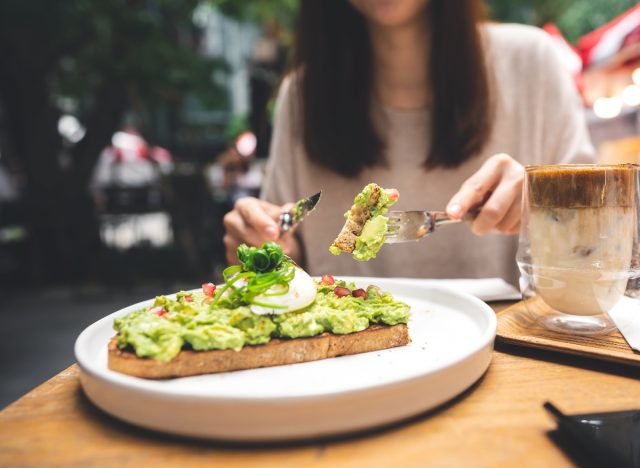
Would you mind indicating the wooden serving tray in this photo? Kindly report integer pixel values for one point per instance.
(518, 326)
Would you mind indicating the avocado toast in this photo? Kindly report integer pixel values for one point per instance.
(267, 312)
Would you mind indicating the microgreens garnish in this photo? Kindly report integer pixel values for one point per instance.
(260, 269)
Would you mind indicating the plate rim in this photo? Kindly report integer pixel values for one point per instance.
(146, 385)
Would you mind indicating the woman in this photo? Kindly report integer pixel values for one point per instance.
(423, 96)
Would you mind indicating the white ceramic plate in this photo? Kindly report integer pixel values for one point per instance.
(452, 341)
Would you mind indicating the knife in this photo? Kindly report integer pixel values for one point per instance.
(300, 210)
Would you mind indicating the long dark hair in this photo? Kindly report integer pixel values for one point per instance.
(333, 58)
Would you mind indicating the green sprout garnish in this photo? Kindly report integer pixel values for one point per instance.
(261, 268)
(260, 259)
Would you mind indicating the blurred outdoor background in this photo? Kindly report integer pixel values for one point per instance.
(118, 124)
(128, 128)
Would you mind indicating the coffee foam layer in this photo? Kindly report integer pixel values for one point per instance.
(582, 186)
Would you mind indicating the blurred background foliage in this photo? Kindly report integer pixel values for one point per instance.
(282, 12)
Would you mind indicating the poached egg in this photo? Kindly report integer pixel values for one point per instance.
(302, 292)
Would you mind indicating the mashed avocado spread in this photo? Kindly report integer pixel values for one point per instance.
(372, 236)
(370, 240)
(202, 321)
(382, 205)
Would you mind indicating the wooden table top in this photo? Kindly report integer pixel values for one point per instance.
(499, 421)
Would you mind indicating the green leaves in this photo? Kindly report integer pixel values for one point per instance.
(260, 259)
(260, 269)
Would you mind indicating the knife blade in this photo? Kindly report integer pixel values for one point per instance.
(300, 210)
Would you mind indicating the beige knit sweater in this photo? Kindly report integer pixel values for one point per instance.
(538, 120)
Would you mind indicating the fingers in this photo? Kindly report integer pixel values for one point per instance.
(478, 187)
(497, 186)
(254, 222)
(501, 212)
(510, 224)
(239, 228)
(259, 216)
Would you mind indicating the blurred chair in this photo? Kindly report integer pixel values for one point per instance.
(624, 150)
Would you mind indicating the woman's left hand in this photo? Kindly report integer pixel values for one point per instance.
(497, 189)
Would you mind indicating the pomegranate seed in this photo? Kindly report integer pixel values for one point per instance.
(360, 293)
(393, 194)
(341, 292)
(328, 280)
(159, 311)
(188, 298)
(209, 289)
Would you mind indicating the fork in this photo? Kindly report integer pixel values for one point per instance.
(406, 226)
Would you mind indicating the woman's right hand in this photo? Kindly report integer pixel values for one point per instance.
(254, 222)
(497, 185)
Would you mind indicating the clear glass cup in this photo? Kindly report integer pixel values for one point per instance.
(578, 253)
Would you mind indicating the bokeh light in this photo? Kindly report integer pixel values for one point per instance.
(607, 108)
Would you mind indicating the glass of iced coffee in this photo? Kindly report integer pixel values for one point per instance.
(578, 252)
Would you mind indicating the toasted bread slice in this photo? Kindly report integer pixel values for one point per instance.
(358, 216)
(275, 353)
